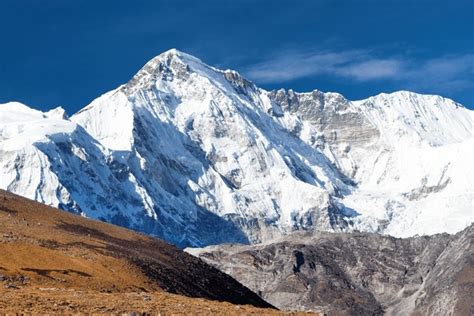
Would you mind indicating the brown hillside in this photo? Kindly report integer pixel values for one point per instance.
(54, 261)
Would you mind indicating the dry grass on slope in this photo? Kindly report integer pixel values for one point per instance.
(52, 261)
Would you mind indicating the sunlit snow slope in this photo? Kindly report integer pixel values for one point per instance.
(200, 156)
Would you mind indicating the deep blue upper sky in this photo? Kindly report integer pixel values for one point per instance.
(68, 52)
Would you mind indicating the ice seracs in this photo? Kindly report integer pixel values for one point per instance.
(200, 156)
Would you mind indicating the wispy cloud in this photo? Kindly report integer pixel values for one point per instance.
(292, 65)
(371, 69)
(451, 72)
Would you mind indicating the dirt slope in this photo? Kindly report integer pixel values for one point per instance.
(53, 261)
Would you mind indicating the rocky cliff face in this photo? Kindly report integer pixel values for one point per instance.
(357, 273)
(199, 156)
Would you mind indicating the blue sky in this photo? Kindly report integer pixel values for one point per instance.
(68, 52)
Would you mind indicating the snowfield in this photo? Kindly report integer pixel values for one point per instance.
(200, 156)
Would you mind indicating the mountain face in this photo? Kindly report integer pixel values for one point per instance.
(200, 156)
(356, 273)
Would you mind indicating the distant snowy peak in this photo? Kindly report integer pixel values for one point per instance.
(45, 157)
(430, 118)
(22, 126)
(13, 112)
(57, 112)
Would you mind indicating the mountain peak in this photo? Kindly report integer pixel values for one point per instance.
(173, 65)
(17, 107)
(166, 66)
(410, 96)
(173, 52)
(12, 112)
(173, 55)
(58, 113)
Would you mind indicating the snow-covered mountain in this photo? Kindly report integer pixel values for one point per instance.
(200, 156)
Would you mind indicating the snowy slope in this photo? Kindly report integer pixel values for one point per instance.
(54, 161)
(422, 169)
(199, 156)
(409, 154)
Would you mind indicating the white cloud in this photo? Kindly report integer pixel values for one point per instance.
(294, 65)
(371, 69)
(451, 72)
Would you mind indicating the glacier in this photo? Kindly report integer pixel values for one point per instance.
(198, 156)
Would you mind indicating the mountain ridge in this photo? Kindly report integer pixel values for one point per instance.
(183, 148)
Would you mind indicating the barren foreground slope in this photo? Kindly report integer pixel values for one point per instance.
(52, 261)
